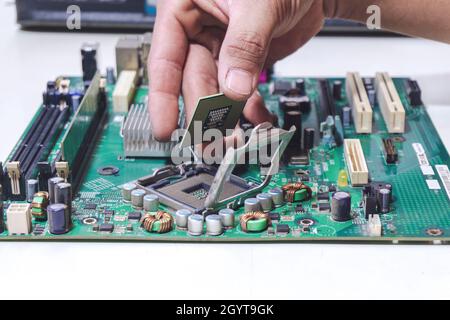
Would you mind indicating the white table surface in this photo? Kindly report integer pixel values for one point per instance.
(298, 271)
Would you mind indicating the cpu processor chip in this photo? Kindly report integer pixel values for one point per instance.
(213, 112)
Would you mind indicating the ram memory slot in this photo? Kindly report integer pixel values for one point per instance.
(83, 129)
(46, 140)
(39, 139)
(25, 146)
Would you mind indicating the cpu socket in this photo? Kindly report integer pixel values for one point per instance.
(201, 188)
(190, 190)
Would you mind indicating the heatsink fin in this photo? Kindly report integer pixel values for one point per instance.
(137, 136)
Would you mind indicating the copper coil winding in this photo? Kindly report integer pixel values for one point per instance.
(165, 219)
(291, 189)
(256, 215)
(45, 201)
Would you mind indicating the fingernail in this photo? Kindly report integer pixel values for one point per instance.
(239, 81)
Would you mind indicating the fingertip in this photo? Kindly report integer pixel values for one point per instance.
(239, 84)
(256, 112)
(164, 115)
(160, 135)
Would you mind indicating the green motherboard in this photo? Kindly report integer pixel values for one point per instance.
(90, 142)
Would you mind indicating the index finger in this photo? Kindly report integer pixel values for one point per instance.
(165, 65)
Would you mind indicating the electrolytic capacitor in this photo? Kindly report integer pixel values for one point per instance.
(337, 90)
(59, 220)
(137, 198)
(294, 118)
(277, 195)
(63, 194)
(346, 116)
(252, 205)
(110, 75)
(308, 138)
(300, 85)
(228, 217)
(372, 94)
(32, 189)
(341, 205)
(195, 225)
(76, 100)
(126, 191)
(181, 218)
(89, 60)
(266, 201)
(214, 226)
(51, 188)
(384, 200)
(151, 203)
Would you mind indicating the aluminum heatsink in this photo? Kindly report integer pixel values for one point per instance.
(138, 140)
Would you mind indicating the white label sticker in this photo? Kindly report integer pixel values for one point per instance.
(433, 185)
(444, 173)
(421, 155)
(427, 170)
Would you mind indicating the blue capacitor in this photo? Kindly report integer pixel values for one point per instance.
(346, 116)
(110, 76)
(58, 219)
(76, 101)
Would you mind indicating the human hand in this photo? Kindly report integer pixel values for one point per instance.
(201, 47)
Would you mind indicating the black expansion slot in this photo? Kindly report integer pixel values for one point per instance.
(36, 145)
(326, 99)
(87, 147)
(25, 146)
(47, 140)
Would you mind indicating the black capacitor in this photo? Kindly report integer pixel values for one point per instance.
(32, 189)
(76, 101)
(294, 118)
(346, 116)
(308, 138)
(63, 194)
(300, 85)
(110, 75)
(89, 61)
(376, 187)
(337, 90)
(384, 200)
(341, 205)
(59, 220)
(51, 188)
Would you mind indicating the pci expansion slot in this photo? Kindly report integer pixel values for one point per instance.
(359, 102)
(390, 103)
(356, 162)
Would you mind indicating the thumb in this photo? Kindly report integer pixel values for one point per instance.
(245, 47)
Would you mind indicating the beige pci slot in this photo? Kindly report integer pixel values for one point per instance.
(390, 104)
(356, 162)
(359, 102)
(124, 92)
